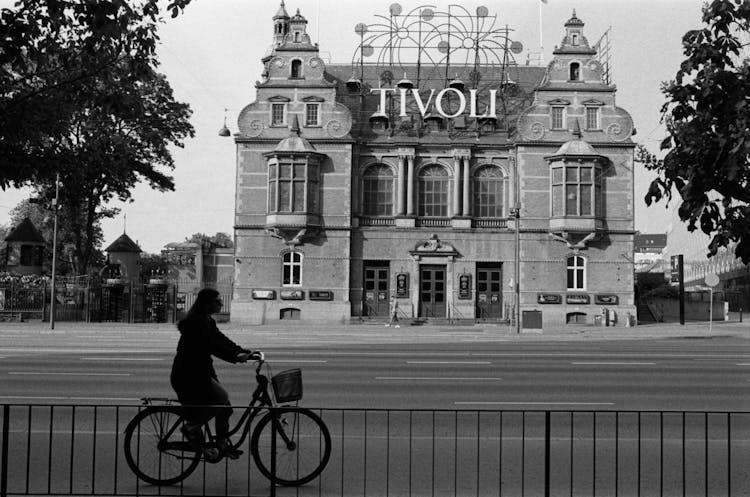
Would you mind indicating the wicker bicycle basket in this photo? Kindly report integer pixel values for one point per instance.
(287, 386)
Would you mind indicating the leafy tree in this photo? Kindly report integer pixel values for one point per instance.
(707, 117)
(152, 265)
(50, 50)
(61, 63)
(220, 239)
(83, 99)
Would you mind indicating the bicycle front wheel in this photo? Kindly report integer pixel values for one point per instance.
(303, 445)
(155, 449)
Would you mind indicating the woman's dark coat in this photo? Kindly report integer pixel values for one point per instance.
(192, 369)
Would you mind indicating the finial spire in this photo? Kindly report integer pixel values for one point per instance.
(577, 129)
(295, 126)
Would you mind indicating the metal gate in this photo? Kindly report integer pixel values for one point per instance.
(489, 303)
(377, 296)
(432, 291)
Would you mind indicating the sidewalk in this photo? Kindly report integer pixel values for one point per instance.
(290, 332)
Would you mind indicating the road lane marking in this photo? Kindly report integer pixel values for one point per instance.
(440, 378)
(27, 397)
(121, 359)
(612, 363)
(294, 361)
(536, 403)
(40, 373)
(448, 362)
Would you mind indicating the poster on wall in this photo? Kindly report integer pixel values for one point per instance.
(180, 301)
(464, 286)
(402, 285)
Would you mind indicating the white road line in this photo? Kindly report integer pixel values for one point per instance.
(695, 357)
(609, 363)
(57, 373)
(438, 378)
(26, 397)
(536, 403)
(448, 362)
(294, 361)
(121, 359)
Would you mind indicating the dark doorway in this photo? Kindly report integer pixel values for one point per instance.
(432, 291)
(376, 299)
(489, 303)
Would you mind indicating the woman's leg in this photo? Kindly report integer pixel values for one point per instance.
(220, 397)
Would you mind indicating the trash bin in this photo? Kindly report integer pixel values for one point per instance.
(531, 319)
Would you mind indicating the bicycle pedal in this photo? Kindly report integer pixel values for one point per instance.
(212, 455)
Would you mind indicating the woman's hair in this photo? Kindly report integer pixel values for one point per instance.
(202, 302)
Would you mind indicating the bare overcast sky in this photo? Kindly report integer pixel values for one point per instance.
(211, 55)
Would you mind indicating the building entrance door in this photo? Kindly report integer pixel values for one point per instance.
(376, 299)
(432, 291)
(489, 292)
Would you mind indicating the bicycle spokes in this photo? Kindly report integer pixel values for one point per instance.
(302, 446)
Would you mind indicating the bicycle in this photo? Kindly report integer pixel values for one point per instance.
(158, 453)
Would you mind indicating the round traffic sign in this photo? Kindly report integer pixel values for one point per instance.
(712, 280)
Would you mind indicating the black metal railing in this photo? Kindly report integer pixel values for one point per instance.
(72, 450)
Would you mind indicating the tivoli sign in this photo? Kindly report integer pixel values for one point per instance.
(438, 102)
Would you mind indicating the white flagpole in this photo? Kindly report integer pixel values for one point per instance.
(541, 44)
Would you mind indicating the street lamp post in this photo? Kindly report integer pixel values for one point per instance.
(516, 212)
(517, 269)
(54, 253)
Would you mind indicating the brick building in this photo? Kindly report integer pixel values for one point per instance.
(349, 196)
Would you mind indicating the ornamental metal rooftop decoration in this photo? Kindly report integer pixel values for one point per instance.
(434, 50)
(439, 45)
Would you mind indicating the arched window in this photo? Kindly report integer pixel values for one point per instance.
(377, 191)
(576, 273)
(575, 71)
(489, 192)
(291, 269)
(574, 40)
(296, 68)
(433, 191)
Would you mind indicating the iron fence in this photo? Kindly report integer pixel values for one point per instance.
(84, 300)
(76, 450)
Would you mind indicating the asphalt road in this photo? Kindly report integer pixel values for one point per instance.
(676, 374)
(466, 447)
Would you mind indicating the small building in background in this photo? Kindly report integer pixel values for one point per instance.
(24, 251)
(193, 266)
(122, 258)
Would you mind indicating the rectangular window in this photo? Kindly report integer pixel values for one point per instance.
(292, 187)
(576, 274)
(576, 191)
(291, 269)
(558, 117)
(278, 114)
(312, 115)
(592, 118)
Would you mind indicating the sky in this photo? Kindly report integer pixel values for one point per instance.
(211, 56)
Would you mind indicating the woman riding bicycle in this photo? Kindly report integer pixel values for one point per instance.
(193, 376)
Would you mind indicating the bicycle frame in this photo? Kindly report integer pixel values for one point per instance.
(261, 398)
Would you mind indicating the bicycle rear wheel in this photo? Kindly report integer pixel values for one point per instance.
(155, 449)
(303, 445)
